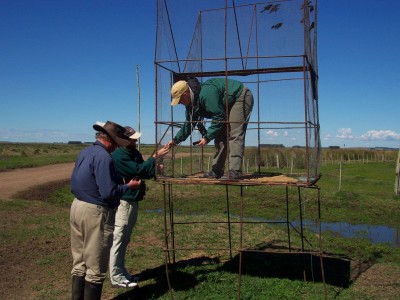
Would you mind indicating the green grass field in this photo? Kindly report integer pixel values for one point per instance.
(35, 237)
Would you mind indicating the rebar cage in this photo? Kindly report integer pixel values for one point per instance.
(272, 48)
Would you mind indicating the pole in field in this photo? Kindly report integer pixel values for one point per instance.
(397, 182)
(138, 88)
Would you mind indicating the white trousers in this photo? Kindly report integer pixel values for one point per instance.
(125, 220)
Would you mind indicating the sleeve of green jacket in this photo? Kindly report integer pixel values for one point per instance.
(131, 165)
(187, 127)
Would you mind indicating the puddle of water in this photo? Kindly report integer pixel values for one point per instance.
(158, 210)
(377, 234)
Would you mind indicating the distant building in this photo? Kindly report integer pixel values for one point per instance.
(272, 146)
(74, 143)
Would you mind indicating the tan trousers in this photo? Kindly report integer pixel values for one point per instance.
(238, 117)
(92, 229)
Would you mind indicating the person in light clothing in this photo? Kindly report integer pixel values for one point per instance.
(129, 163)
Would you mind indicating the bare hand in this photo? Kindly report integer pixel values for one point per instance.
(202, 142)
(134, 184)
(169, 145)
(162, 152)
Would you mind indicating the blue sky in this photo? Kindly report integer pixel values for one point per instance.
(65, 64)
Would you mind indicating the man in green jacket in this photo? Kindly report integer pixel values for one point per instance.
(129, 164)
(226, 102)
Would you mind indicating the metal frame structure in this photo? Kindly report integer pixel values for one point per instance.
(283, 78)
(246, 42)
(172, 225)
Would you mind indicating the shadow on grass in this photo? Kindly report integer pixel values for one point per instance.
(293, 265)
(272, 261)
(180, 280)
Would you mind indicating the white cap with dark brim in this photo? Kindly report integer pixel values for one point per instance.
(132, 133)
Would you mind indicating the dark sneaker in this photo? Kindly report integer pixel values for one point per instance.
(211, 174)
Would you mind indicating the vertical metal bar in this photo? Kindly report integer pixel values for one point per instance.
(240, 240)
(167, 274)
(319, 217)
(226, 123)
(156, 74)
(320, 241)
(237, 32)
(138, 90)
(305, 34)
(287, 217)
(172, 224)
(229, 221)
(301, 218)
(166, 244)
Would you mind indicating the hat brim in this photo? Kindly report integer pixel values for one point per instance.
(98, 127)
(135, 136)
(118, 140)
(175, 101)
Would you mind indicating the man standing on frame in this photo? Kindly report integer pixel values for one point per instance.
(226, 102)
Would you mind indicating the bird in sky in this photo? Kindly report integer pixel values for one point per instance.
(277, 26)
(274, 8)
(267, 7)
(271, 7)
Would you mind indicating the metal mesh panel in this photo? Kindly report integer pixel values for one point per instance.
(270, 47)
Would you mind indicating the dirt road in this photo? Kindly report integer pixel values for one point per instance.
(14, 181)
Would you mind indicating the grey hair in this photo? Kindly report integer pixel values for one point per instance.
(103, 135)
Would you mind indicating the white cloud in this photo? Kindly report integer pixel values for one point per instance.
(345, 133)
(271, 133)
(369, 136)
(380, 135)
(42, 135)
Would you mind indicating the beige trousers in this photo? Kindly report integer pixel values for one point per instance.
(92, 229)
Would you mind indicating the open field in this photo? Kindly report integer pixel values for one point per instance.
(35, 250)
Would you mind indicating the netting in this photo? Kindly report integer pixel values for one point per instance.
(269, 46)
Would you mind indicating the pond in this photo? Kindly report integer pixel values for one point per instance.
(378, 234)
(375, 233)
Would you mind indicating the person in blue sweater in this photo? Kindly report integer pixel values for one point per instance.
(97, 189)
(129, 163)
